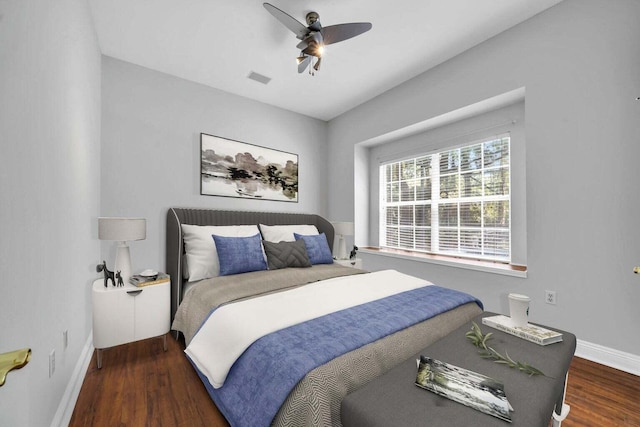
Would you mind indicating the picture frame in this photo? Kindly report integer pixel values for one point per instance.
(230, 168)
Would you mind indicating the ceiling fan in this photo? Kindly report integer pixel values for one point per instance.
(314, 36)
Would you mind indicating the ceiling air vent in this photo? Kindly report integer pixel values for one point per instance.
(259, 78)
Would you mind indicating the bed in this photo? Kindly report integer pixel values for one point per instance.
(283, 346)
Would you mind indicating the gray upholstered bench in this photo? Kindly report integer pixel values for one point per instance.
(394, 400)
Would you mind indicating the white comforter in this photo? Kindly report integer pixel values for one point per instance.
(232, 328)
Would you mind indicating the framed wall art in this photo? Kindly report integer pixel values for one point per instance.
(237, 169)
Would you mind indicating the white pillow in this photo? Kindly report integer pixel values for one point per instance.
(284, 233)
(200, 249)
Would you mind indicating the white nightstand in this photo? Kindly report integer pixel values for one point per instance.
(355, 263)
(129, 313)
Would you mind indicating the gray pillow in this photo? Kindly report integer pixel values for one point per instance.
(286, 254)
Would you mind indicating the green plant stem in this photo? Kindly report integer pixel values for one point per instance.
(480, 340)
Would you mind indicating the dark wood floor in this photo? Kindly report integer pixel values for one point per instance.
(141, 385)
(601, 396)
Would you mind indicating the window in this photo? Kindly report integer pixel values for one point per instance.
(454, 202)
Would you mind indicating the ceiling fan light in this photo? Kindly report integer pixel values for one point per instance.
(317, 65)
(299, 59)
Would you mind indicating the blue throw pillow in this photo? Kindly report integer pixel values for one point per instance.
(317, 248)
(239, 254)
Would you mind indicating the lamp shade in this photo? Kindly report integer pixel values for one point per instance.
(122, 229)
(343, 228)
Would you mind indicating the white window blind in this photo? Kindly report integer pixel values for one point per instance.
(454, 202)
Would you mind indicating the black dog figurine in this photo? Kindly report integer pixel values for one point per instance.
(119, 277)
(108, 275)
(352, 255)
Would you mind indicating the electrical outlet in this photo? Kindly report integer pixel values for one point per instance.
(65, 338)
(52, 362)
(550, 297)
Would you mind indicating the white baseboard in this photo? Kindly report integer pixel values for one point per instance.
(71, 393)
(626, 362)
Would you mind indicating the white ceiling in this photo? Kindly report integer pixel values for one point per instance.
(219, 43)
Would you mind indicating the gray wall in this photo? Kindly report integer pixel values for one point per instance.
(579, 63)
(150, 160)
(49, 185)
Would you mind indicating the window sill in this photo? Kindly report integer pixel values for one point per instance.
(469, 264)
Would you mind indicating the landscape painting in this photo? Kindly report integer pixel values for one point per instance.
(463, 386)
(236, 169)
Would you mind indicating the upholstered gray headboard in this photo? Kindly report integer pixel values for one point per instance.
(178, 216)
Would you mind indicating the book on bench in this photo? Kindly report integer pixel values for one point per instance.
(463, 386)
(533, 333)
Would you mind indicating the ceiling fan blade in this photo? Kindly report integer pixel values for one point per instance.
(303, 64)
(340, 32)
(288, 21)
(302, 45)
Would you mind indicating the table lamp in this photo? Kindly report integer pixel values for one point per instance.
(122, 230)
(341, 230)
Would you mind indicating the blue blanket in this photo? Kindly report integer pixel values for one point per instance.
(262, 378)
